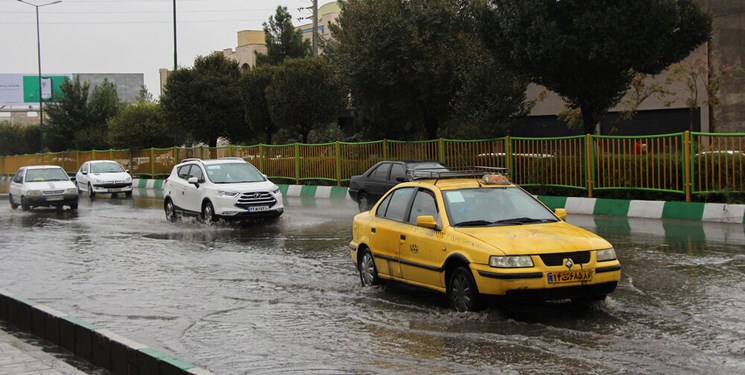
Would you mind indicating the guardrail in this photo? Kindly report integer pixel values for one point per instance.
(686, 163)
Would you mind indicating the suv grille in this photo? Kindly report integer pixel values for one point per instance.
(256, 199)
(579, 257)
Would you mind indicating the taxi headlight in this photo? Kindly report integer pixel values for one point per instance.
(515, 261)
(34, 193)
(606, 255)
(71, 191)
(230, 194)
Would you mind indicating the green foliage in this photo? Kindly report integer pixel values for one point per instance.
(282, 40)
(304, 95)
(422, 72)
(103, 104)
(78, 121)
(17, 139)
(589, 51)
(68, 116)
(140, 125)
(203, 103)
(253, 87)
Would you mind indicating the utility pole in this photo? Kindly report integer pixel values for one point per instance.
(175, 56)
(315, 28)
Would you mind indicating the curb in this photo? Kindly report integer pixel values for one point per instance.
(100, 347)
(694, 211)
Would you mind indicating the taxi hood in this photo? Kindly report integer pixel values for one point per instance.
(544, 238)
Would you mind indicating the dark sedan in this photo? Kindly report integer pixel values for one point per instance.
(368, 187)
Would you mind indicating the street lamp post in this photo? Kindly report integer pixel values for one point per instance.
(38, 54)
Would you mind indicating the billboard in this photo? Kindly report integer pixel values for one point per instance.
(22, 89)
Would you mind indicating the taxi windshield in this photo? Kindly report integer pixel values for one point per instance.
(231, 173)
(46, 174)
(494, 206)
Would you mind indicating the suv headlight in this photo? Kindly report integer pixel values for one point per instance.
(513, 261)
(230, 194)
(275, 191)
(606, 255)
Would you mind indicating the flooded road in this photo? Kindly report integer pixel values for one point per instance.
(285, 297)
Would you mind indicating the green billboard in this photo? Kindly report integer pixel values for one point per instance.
(50, 88)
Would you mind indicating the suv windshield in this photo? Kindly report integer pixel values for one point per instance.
(46, 174)
(231, 173)
(494, 206)
(106, 168)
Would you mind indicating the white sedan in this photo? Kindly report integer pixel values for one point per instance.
(103, 176)
(42, 185)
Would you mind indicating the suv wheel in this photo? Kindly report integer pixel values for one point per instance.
(170, 209)
(208, 213)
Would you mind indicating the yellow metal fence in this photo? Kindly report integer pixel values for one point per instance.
(686, 163)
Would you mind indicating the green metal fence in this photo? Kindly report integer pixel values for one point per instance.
(686, 163)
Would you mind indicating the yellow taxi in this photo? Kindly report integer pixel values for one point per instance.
(472, 234)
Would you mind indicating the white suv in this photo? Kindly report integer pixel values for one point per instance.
(227, 188)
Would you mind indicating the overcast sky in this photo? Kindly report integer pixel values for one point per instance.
(127, 36)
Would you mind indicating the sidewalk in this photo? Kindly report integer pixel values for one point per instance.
(23, 354)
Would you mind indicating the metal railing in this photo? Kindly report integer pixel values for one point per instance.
(686, 163)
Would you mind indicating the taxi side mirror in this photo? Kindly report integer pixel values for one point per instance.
(561, 213)
(426, 221)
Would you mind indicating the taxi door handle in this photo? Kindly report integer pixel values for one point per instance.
(403, 236)
(372, 230)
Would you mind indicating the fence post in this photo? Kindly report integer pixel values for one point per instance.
(261, 158)
(297, 164)
(442, 151)
(687, 166)
(338, 165)
(152, 162)
(385, 149)
(508, 156)
(589, 167)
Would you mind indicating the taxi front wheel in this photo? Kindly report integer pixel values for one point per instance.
(462, 291)
(368, 272)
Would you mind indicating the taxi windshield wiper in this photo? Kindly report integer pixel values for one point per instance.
(524, 220)
(473, 223)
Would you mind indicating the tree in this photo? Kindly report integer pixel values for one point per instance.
(253, 87)
(203, 102)
(304, 95)
(18, 139)
(103, 104)
(282, 40)
(78, 120)
(414, 73)
(589, 51)
(140, 125)
(68, 116)
(711, 74)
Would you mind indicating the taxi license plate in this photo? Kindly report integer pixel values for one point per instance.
(55, 198)
(258, 208)
(570, 276)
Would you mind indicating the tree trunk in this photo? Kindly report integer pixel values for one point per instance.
(213, 148)
(588, 120)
